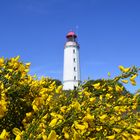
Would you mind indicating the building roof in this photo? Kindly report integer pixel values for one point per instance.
(70, 34)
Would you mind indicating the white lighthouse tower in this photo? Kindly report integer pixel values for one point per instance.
(71, 73)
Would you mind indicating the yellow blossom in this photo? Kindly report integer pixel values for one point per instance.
(66, 135)
(52, 135)
(133, 77)
(44, 137)
(110, 88)
(87, 93)
(117, 130)
(125, 81)
(45, 117)
(4, 135)
(29, 114)
(98, 128)
(121, 98)
(118, 88)
(134, 106)
(16, 58)
(125, 70)
(10, 70)
(101, 97)
(116, 108)
(76, 105)
(92, 99)
(133, 82)
(7, 76)
(1, 62)
(18, 137)
(26, 70)
(108, 96)
(49, 98)
(97, 86)
(75, 136)
(63, 108)
(53, 122)
(88, 117)
(16, 131)
(126, 134)
(79, 126)
(28, 64)
(138, 124)
(59, 89)
(103, 117)
(35, 108)
(136, 130)
(112, 137)
(135, 137)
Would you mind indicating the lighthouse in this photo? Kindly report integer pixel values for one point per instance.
(71, 71)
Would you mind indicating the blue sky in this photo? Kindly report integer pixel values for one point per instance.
(108, 33)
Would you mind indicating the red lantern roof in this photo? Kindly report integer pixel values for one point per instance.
(70, 34)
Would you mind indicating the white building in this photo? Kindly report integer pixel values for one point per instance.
(71, 73)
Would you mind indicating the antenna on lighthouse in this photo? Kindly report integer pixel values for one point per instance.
(77, 27)
(76, 30)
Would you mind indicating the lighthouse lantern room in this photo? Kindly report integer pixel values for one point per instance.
(71, 72)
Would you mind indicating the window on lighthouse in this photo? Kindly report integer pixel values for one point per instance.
(73, 50)
(74, 77)
(74, 68)
(74, 60)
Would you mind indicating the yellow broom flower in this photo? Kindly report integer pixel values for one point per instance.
(125, 70)
(1, 61)
(18, 137)
(112, 137)
(66, 135)
(63, 108)
(28, 64)
(118, 88)
(29, 114)
(79, 126)
(97, 86)
(125, 81)
(35, 108)
(92, 99)
(135, 137)
(4, 135)
(17, 58)
(16, 131)
(88, 117)
(98, 128)
(136, 130)
(108, 96)
(53, 122)
(133, 82)
(59, 89)
(133, 77)
(52, 135)
(117, 130)
(77, 106)
(44, 137)
(103, 117)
